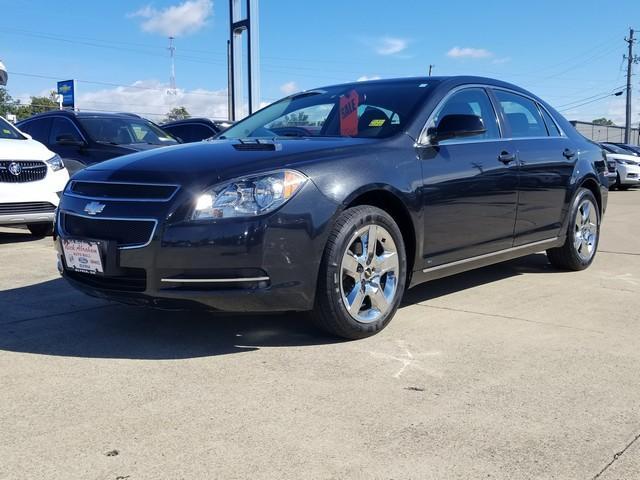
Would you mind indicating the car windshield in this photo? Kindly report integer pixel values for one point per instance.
(8, 131)
(367, 110)
(616, 149)
(125, 131)
(630, 149)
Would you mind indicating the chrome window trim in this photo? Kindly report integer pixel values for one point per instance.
(541, 243)
(214, 280)
(70, 193)
(124, 219)
(536, 102)
(423, 132)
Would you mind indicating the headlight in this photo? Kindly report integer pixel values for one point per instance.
(249, 196)
(55, 163)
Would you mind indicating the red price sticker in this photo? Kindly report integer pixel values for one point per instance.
(349, 114)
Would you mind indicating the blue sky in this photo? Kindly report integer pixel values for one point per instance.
(564, 51)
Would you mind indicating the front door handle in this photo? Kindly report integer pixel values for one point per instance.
(506, 157)
(568, 153)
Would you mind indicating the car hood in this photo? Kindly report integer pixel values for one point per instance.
(622, 156)
(217, 160)
(14, 149)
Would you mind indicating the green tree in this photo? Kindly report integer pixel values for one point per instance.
(7, 104)
(24, 110)
(177, 113)
(603, 121)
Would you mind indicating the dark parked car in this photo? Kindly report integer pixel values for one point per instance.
(405, 181)
(634, 149)
(85, 138)
(192, 130)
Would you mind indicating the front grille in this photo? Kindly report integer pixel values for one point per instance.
(126, 233)
(611, 166)
(29, 171)
(26, 207)
(123, 191)
(133, 280)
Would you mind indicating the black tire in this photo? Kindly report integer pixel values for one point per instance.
(617, 184)
(40, 229)
(624, 187)
(330, 312)
(567, 257)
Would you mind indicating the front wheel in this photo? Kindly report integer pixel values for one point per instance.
(583, 234)
(362, 275)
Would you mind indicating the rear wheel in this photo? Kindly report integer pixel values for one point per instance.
(583, 233)
(363, 274)
(40, 229)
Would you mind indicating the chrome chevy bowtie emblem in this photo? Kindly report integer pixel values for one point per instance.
(15, 168)
(93, 208)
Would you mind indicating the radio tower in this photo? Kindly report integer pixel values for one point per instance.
(172, 78)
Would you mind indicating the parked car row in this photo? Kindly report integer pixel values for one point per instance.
(626, 159)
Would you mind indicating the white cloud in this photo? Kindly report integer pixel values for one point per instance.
(289, 88)
(364, 78)
(457, 52)
(176, 20)
(390, 45)
(500, 61)
(150, 99)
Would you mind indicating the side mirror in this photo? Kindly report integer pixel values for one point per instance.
(456, 126)
(69, 141)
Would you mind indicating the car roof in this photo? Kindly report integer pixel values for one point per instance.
(82, 114)
(452, 80)
(189, 120)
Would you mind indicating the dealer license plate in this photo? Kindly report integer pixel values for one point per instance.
(82, 256)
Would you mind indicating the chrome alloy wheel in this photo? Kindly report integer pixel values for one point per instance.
(585, 233)
(369, 274)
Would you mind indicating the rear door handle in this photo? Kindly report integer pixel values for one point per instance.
(568, 153)
(506, 157)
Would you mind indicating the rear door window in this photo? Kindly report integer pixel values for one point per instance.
(521, 114)
(552, 128)
(61, 127)
(38, 129)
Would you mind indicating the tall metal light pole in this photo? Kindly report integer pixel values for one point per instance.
(172, 76)
(237, 26)
(631, 59)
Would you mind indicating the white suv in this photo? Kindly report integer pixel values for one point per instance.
(627, 166)
(31, 179)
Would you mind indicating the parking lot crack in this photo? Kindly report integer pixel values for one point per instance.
(509, 317)
(619, 253)
(616, 457)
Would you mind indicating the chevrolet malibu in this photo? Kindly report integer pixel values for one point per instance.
(336, 200)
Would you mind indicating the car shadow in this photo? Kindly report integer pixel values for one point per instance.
(16, 236)
(536, 263)
(51, 318)
(57, 320)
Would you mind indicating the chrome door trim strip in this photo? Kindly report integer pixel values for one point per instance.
(539, 243)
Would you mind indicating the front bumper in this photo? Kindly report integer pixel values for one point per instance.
(629, 174)
(262, 264)
(27, 218)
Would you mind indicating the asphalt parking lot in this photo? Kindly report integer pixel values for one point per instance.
(513, 371)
